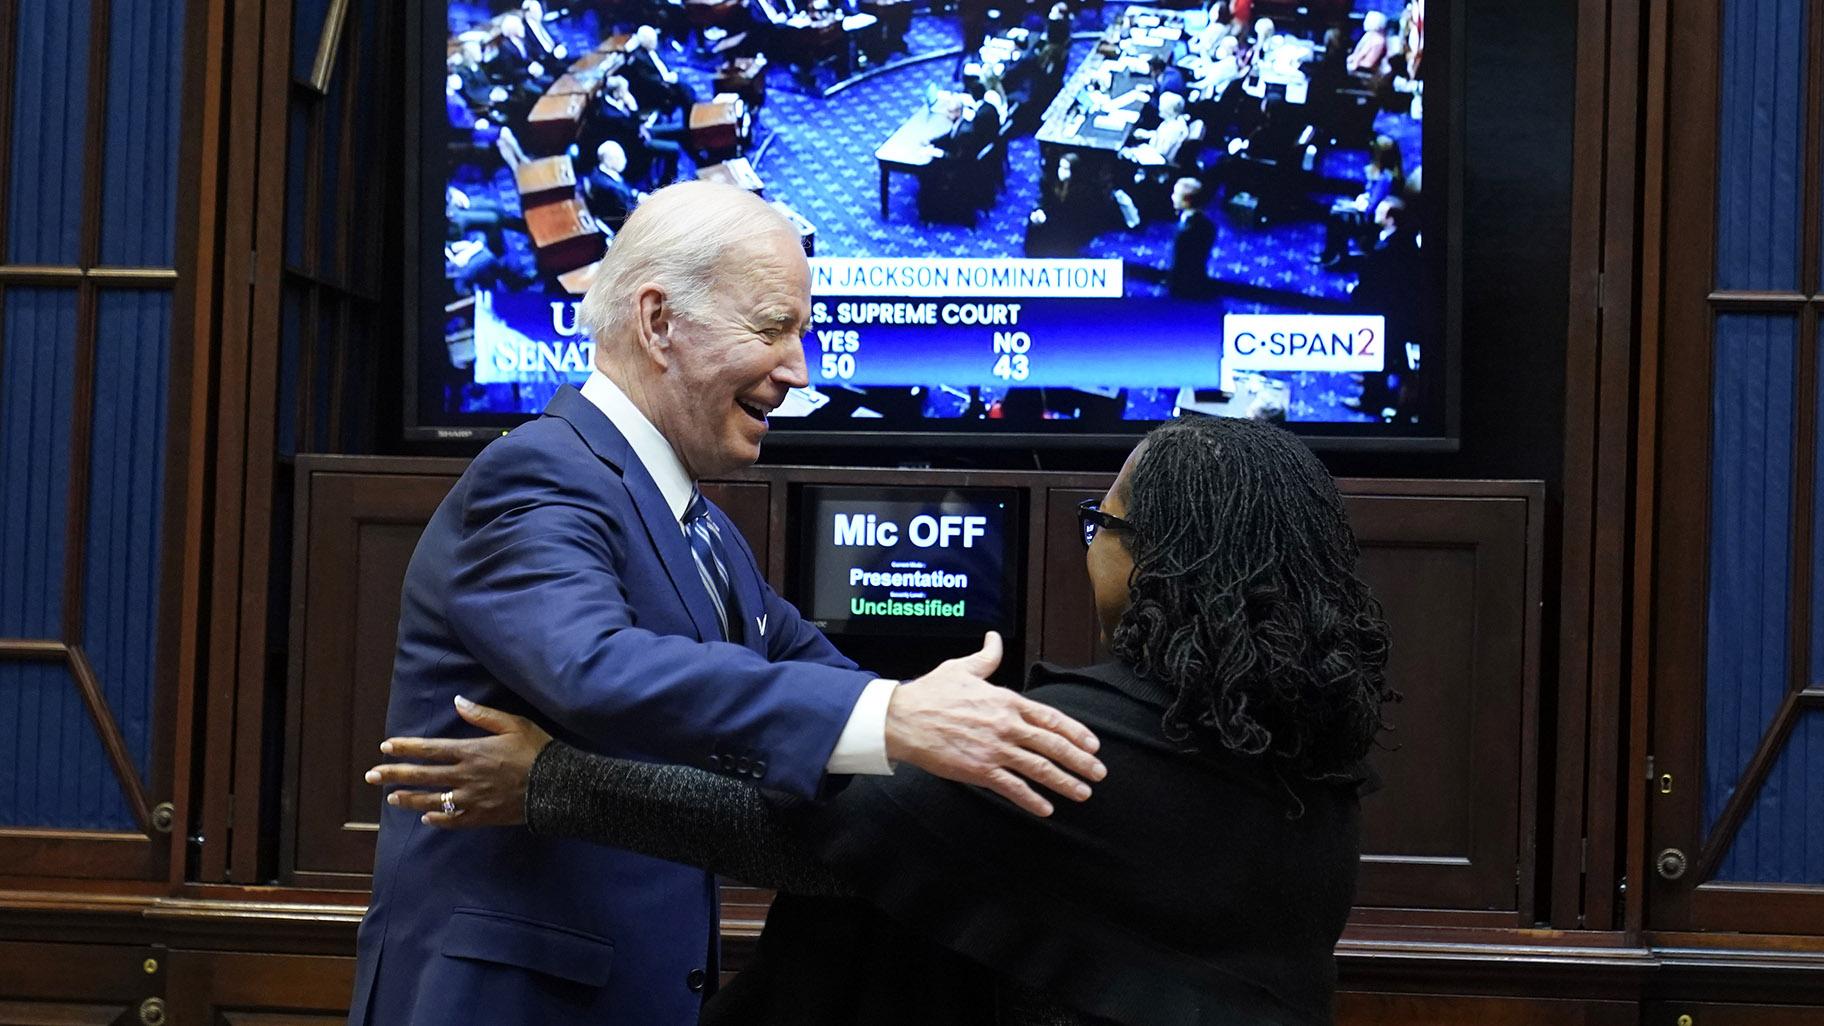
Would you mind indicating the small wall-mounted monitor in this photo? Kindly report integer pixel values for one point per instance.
(909, 562)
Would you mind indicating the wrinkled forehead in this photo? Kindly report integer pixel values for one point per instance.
(767, 268)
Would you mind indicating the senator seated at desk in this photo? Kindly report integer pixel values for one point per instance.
(606, 192)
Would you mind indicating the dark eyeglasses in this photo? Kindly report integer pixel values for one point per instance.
(1092, 519)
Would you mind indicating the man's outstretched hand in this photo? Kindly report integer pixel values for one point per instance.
(953, 723)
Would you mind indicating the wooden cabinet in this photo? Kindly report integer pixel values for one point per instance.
(1361, 1009)
(230, 988)
(78, 984)
(1456, 565)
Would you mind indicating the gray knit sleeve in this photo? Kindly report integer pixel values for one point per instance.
(675, 813)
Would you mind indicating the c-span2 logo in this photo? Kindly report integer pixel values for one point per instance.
(1304, 342)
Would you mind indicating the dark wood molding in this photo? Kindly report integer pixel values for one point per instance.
(79, 854)
(226, 445)
(1680, 438)
(45, 649)
(184, 546)
(1651, 313)
(119, 759)
(99, 277)
(1581, 384)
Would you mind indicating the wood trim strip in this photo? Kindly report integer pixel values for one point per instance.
(114, 277)
(1747, 790)
(1749, 301)
(1583, 344)
(183, 630)
(1680, 437)
(1607, 758)
(1811, 148)
(224, 612)
(32, 648)
(111, 740)
(1640, 585)
(82, 416)
(346, 209)
(258, 453)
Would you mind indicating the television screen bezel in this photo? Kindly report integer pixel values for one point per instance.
(424, 221)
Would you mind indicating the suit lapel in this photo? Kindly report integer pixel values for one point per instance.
(662, 529)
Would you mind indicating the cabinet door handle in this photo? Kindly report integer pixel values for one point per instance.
(1671, 864)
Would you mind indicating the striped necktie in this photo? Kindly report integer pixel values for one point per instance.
(711, 556)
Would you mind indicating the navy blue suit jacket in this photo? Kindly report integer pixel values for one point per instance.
(554, 582)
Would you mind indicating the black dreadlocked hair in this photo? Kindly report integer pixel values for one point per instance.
(1244, 598)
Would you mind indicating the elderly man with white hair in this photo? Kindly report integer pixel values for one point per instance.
(1371, 49)
(577, 576)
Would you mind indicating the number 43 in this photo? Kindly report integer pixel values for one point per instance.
(1012, 367)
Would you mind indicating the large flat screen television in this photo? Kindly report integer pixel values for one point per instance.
(1028, 222)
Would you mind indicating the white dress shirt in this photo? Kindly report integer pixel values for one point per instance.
(862, 748)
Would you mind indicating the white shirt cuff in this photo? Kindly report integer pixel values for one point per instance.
(862, 748)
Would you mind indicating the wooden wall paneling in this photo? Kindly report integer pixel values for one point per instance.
(241, 55)
(78, 984)
(1430, 556)
(1032, 581)
(219, 988)
(1674, 1013)
(1632, 858)
(245, 467)
(355, 532)
(1373, 1009)
(1067, 622)
(1591, 751)
(1458, 740)
(201, 179)
(1677, 662)
(252, 669)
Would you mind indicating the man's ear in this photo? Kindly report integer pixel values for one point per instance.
(652, 325)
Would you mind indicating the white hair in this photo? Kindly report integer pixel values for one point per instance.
(1374, 21)
(676, 240)
(1170, 104)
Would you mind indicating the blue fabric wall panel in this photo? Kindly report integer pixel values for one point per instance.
(1782, 840)
(1759, 163)
(307, 18)
(1751, 463)
(291, 334)
(126, 490)
(50, 65)
(145, 92)
(37, 382)
(297, 143)
(53, 771)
